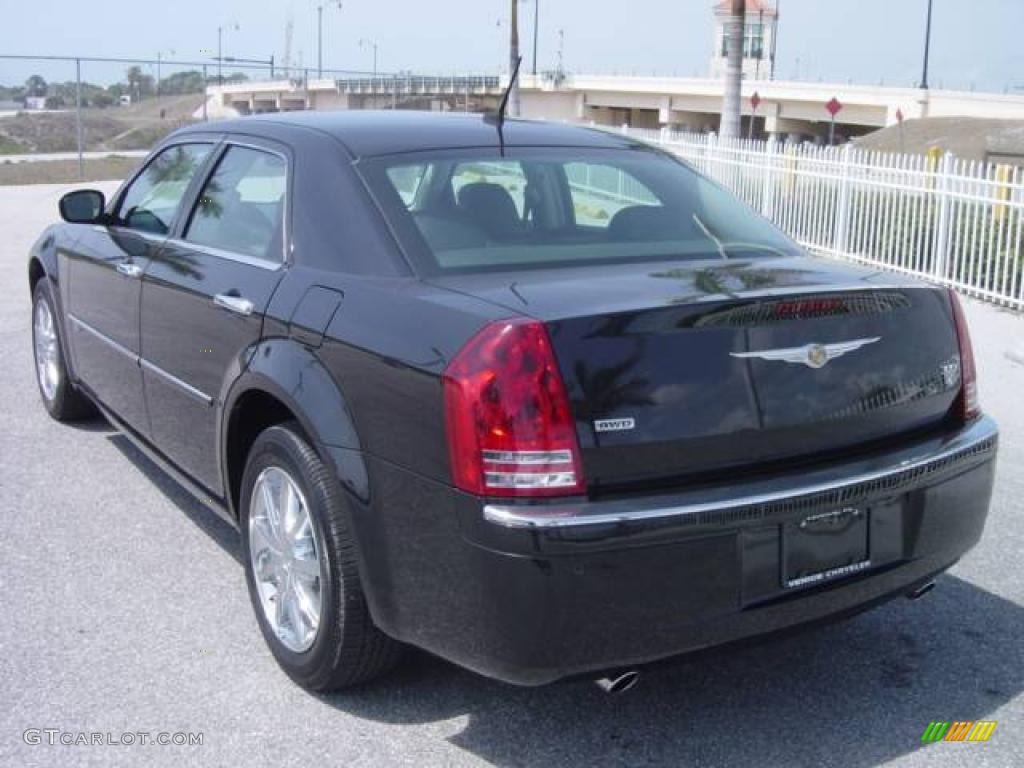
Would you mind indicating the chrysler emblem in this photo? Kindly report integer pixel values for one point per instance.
(811, 355)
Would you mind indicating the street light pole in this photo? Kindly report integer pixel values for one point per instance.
(364, 42)
(927, 47)
(220, 53)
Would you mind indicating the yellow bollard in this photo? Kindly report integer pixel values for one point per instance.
(934, 154)
(1001, 191)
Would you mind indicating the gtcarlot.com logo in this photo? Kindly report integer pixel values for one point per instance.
(958, 730)
(55, 736)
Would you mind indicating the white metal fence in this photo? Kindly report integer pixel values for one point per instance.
(956, 222)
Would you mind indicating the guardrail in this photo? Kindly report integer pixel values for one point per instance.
(953, 221)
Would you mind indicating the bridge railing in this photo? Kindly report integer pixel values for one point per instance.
(419, 84)
(947, 219)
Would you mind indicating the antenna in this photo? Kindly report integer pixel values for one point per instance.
(504, 99)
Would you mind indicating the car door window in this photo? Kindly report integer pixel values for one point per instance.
(152, 199)
(241, 206)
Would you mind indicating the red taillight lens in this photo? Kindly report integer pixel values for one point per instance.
(970, 404)
(509, 424)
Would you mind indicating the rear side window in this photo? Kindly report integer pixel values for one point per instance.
(241, 206)
(151, 201)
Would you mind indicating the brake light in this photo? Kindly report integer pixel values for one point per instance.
(509, 425)
(969, 402)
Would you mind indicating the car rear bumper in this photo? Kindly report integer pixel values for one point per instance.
(531, 593)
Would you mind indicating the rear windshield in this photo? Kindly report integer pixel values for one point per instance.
(477, 210)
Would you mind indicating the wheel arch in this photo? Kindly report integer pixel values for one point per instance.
(36, 272)
(285, 381)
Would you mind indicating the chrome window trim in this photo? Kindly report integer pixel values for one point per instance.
(170, 377)
(103, 337)
(152, 236)
(573, 515)
(243, 258)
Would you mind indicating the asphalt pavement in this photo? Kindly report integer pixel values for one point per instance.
(125, 611)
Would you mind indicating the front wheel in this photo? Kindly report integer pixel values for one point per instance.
(60, 398)
(301, 570)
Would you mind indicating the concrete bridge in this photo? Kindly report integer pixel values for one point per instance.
(787, 109)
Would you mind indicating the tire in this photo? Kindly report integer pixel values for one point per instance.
(346, 648)
(62, 400)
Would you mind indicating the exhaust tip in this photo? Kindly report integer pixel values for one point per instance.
(620, 682)
(921, 591)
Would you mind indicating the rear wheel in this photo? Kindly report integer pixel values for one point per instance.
(62, 401)
(301, 568)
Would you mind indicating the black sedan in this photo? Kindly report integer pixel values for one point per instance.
(536, 398)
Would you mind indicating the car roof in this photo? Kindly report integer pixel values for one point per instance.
(380, 132)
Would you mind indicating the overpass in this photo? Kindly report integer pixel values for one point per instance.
(788, 109)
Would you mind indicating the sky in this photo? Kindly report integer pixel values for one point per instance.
(975, 43)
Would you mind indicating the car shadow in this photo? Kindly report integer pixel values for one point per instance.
(855, 693)
(204, 518)
(92, 423)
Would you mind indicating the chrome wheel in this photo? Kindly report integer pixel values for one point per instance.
(46, 349)
(285, 553)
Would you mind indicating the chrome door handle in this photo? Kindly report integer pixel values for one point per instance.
(128, 269)
(235, 304)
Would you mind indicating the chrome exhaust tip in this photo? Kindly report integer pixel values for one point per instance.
(620, 682)
(921, 591)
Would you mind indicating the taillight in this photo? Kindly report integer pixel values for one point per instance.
(969, 403)
(509, 425)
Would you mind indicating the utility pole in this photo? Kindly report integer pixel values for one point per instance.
(319, 41)
(513, 59)
(775, 37)
(927, 48)
(220, 52)
(730, 125)
(760, 43)
(536, 17)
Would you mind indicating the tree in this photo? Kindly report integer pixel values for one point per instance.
(35, 86)
(188, 81)
(730, 125)
(134, 75)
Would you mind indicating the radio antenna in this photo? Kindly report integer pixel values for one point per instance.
(508, 91)
(499, 116)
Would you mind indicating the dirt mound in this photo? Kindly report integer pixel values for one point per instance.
(971, 138)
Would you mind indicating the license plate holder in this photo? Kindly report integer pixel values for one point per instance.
(825, 546)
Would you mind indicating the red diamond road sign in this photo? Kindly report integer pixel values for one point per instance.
(755, 100)
(833, 106)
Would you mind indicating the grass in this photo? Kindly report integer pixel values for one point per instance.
(66, 171)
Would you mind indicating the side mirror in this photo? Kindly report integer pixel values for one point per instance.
(83, 206)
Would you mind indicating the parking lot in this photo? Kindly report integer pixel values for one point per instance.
(125, 610)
